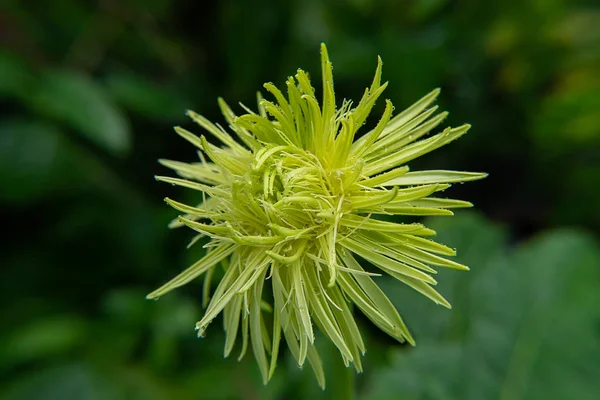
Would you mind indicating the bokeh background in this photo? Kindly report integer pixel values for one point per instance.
(89, 91)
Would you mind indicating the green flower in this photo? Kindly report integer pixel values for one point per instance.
(291, 208)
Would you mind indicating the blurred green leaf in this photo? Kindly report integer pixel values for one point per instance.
(42, 338)
(535, 333)
(14, 75)
(423, 9)
(29, 153)
(569, 118)
(128, 305)
(82, 381)
(82, 103)
(209, 382)
(430, 371)
(176, 315)
(76, 381)
(153, 101)
(579, 28)
(532, 329)
(174, 318)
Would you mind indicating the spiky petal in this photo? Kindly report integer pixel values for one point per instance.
(290, 205)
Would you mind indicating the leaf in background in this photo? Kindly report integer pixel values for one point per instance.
(75, 381)
(424, 9)
(14, 76)
(42, 339)
(29, 153)
(127, 305)
(429, 371)
(171, 321)
(535, 322)
(79, 101)
(150, 100)
(83, 381)
(530, 333)
(568, 118)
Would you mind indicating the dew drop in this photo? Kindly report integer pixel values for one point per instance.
(318, 220)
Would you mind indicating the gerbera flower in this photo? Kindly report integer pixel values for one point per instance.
(290, 209)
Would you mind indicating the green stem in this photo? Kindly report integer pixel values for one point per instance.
(341, 380)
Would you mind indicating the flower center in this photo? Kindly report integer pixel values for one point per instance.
(294, 192)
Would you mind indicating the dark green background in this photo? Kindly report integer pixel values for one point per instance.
(89, 92)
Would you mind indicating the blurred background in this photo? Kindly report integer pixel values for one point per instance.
(89, 91)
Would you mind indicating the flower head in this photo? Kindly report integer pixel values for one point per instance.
(292, 206)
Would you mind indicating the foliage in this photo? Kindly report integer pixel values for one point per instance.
(89, 90)
(526, 328)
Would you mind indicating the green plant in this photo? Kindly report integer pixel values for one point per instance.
(295, 204)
